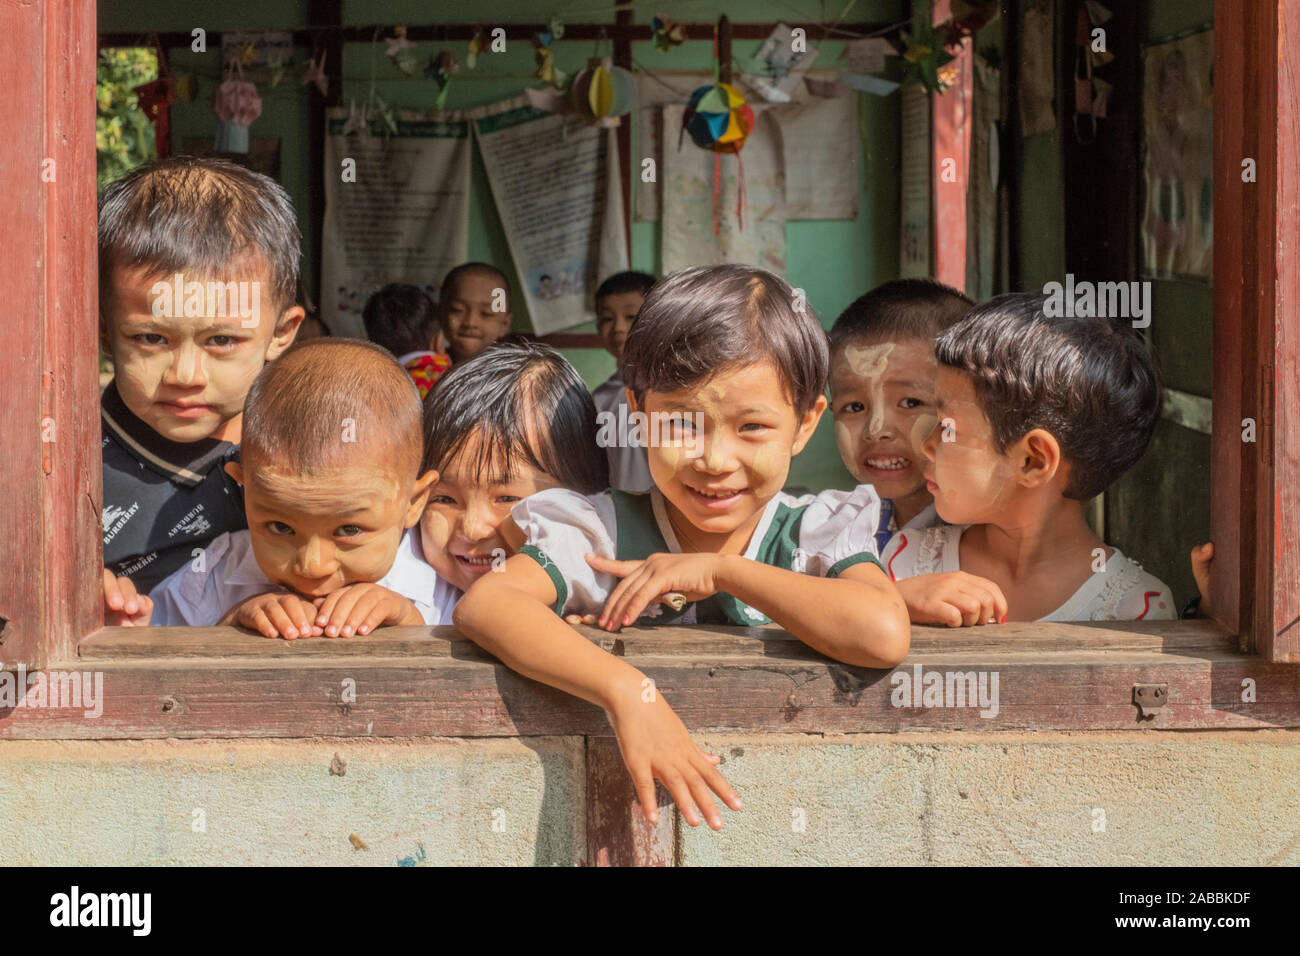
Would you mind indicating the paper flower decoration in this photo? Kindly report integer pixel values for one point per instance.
(399, 51)
(666, 33)
(547, 71)
(602, 92)
(718, 119)
(237, 105)
(924, 56)
(441, 66)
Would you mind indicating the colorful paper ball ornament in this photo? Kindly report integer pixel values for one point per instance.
(718, 119)
(602, 92)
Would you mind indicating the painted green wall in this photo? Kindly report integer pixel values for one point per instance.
(833, 261)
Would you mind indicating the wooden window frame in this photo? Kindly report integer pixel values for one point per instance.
(221, 682)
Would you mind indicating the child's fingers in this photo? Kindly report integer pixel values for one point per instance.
(700, 793)
(343, 604)
(260, 623)
(280, 620)
(648, 593)
(610, 566)
(298, 612)
(612, 616)
(369, 613)
(718, 784)
(112, 593)
(325, 609)
(681, 794)
(644, 785)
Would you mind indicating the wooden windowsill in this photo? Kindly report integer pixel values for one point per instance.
(224, 682)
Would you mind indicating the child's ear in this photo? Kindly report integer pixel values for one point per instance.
(1039, 454)
(419, 497)
(236, 471)
(808, 425)
(286, 328)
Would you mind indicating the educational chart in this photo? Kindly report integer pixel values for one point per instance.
(396, 208)
(914, 185)
(556, 185)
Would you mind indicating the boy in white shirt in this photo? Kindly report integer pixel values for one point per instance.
(330, 464)
(618, 300)
(1037, 415)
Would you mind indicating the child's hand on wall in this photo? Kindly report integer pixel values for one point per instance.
(1202, 555)
(275, 615)
(360, 608)
(954, 598)
(123, 606)
(656, 746)
(674, 579)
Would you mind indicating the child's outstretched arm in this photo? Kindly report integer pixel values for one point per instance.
(509, 614)
(858, 617)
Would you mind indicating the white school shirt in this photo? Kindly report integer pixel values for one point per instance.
(629, 467)
(1122, 592)
(820, 535)
(231, 576)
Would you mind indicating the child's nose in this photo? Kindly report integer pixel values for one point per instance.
(187, 366)
(930, 445)
(477, 523)
(316, 559)
(717, 456)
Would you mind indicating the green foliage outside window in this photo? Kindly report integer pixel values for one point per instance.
(124, 137)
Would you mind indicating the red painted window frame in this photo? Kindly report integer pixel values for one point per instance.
(50, 519)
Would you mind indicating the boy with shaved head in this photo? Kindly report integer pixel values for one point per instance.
(330, 466)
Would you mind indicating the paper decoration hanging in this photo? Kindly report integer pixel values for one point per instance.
(237, 104)
(602, 92)
(439, 69)
(476, 44)
(544, 55)
(666, 33)
(315, 73)
(718, 118)
(400, 51)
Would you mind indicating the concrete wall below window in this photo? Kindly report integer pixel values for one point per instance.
(1130, 798)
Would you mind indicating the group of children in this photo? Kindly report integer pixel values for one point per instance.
(437, 475)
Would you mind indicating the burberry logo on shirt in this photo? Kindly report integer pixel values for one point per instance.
(194, 523)
(115, 519)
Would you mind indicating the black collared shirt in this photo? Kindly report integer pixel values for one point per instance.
(162, 499)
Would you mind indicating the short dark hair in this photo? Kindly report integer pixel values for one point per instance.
(700, 321)
(448, 288)
(506, 395)
(197, 213)
(299, 407)
(900, 309)
(1091, 382)
(401, 318)
(623, 282)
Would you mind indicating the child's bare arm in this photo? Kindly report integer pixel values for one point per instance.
(123, 605)
(509, 614)
(360, 608)
(954, 598)
(858, 618)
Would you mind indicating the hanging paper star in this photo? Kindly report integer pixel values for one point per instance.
(357, 122)
(315, 73)
(666, 33)
(399, 51)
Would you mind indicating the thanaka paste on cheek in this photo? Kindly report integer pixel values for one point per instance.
(921, 429)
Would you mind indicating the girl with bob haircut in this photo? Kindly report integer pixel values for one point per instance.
(515, 420)
(729, 369)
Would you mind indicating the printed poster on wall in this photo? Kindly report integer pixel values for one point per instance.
(556, 184)
(1178, 118)
(689, 201)
(404, 219)
(914, 185)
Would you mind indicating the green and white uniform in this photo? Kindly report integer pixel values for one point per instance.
(821, 535)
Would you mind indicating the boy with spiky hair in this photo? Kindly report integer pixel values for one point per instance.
(198, 268)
